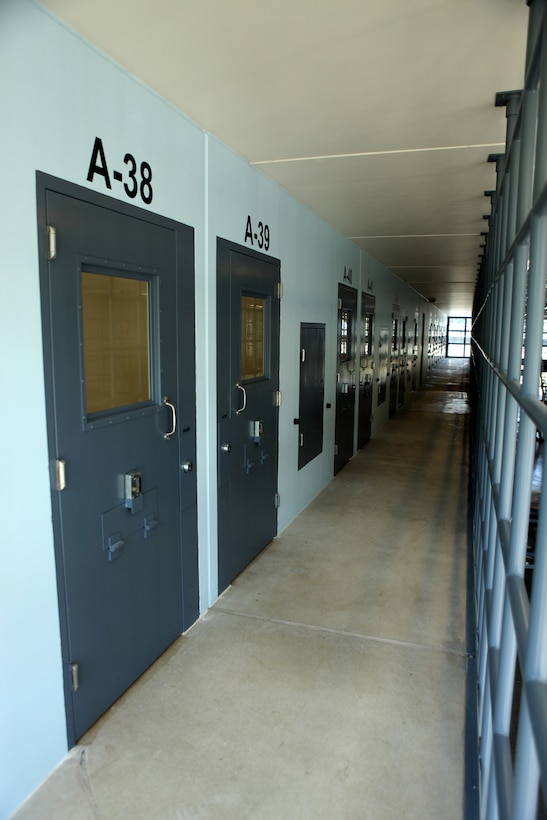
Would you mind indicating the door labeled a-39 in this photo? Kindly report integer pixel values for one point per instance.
(248, 401)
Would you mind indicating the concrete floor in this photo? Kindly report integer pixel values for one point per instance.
(329, 680)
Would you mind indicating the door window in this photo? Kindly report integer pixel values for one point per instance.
(253, 337)
(367, 337)
(345, 336)
(116, 341)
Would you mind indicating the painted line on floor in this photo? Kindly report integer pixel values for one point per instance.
(341, 632)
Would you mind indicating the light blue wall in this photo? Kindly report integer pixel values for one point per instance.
(57, 94)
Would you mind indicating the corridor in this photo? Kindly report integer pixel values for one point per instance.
(329, 681)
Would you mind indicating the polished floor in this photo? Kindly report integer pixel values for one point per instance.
(329, 680)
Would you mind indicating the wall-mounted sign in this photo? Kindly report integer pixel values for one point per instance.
(370, 286)
(348, 274)
(136, 177)
(261, 236)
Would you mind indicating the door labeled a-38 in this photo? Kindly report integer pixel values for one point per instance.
(118, 309)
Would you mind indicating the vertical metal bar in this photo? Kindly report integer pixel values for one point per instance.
(526, 770)
(540, 169)
(485, 749)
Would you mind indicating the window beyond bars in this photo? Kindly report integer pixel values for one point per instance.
(458, 337)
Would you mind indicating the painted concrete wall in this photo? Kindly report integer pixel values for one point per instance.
(57, 95)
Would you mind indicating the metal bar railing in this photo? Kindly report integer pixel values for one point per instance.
(509, 329)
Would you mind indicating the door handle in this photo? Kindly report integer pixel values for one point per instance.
(187, 467)
(242, 408)
(226, 447)
(171, 432)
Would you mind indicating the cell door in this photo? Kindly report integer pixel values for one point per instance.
(247, 402)
(394, 365)
(347, 363)
(366, 368)
(403, 363)
(383, 361)
(121, 406)
(311, 393)
(414, 377)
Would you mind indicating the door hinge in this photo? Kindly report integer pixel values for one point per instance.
(277, 398)
(279, 290)
(335, 449)
(339, 304)
(303, 355)
(60, 473)
(277, 501)
(75, 676)
(51, 242)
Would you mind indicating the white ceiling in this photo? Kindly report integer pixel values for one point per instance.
(378, 114)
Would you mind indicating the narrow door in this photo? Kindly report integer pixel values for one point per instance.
(366, 368)
(383, 362)
(345, 376)
(312, 392)
(423, 355)
(414, 377)
(403, 363)
(248, 400)
(121, 424)
(394, 365)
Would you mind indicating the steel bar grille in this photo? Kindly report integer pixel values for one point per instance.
(510, 503)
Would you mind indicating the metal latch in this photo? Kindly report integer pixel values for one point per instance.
(149, 525)
(75, 676)
(60, 473)
(256, 430)
(51, 242)
(133, 491)
(115, 546)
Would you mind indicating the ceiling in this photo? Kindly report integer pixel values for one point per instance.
(377, 114)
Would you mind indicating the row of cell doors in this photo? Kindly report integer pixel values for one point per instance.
(397, 364)
(117, 287)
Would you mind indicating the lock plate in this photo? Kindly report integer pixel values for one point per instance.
(133, 490)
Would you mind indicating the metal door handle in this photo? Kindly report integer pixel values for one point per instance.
(241, 409)
(171, 432)
(226, 447)
(187, 467)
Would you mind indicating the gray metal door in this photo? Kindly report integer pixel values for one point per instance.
(383, 360)
(394, 364)
(248, 385)
(414, 375)
(347, 363)
(121, 415)
(403, 363)
(366, 368)
(312, 392)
